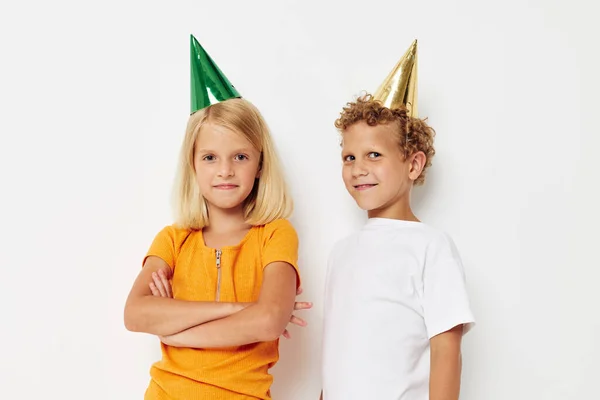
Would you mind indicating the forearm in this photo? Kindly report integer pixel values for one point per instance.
(444, 380)
(255, 323)
(166, 316)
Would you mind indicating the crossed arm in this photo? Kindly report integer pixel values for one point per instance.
(150, 308)
(262, 321)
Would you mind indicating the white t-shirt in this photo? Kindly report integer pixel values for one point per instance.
(390, 288)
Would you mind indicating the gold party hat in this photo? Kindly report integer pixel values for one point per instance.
(400, 86)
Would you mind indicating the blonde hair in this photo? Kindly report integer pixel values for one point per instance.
(269, 198)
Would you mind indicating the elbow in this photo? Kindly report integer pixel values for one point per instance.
(131, 325)
(131, 320)
(272, 325)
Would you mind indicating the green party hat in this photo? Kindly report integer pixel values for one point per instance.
(208, 84)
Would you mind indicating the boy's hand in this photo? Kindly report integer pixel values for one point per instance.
(161, 285)
(299, 305)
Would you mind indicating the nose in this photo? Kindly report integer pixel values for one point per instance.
(226, 168)
(358, 169)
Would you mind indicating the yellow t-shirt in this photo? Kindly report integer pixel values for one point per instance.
(232, 373)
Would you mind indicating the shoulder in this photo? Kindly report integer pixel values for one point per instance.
(278, 227)
(277, 233)
(279, 242)
(168, 243)
(176, 231)
(175, 234)
(440, 242)
(343, 246)
(280, 223)
(346, 241)
(440, 249)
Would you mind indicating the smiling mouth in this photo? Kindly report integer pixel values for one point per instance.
(365, 186)
(226, 186)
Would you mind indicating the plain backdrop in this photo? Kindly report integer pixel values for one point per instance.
(94, 100)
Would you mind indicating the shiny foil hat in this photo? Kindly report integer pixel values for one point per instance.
(400, 86)
(208, 85)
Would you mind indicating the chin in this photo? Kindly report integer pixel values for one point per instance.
(229, 206)
(367, 206)
(225, 205)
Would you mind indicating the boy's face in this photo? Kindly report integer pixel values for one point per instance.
(375, 172)
(226, 166)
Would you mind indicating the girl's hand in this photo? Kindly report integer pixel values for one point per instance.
(160, 285)
(299, 305)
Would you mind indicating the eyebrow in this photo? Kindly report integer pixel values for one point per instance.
(369, 149)
(244, 150)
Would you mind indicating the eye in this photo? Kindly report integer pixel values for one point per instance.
(208, 157)
(374, 154)
(241, 157)
(348, 158)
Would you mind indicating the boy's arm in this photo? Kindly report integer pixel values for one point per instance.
(446, 363)
(262, 321)
(166, 316)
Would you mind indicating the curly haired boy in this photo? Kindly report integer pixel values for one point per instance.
(396, 305)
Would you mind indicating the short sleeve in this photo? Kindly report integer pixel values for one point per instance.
(165, 245)
(445, 298)
(281, 244)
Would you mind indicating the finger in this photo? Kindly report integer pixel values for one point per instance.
(154, 290)
(302, 305)
(297, 321)
(168, 272)
(165, 282)
(299, 291)
(159, 285)
(286, 334)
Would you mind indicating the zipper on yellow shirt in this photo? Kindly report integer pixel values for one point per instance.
(218, 275)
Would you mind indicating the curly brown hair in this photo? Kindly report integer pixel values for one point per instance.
(414, 134)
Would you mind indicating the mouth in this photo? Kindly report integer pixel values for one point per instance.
(365, 186)
(225, 186)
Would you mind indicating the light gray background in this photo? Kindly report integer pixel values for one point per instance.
(95, 98)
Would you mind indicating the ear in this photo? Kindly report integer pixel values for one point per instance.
(416, 164)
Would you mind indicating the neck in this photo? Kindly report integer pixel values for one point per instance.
(398, 210)
(226, 220)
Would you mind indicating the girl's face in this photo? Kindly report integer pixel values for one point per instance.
(226, 165)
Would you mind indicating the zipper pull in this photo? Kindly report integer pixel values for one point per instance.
(218, 295)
